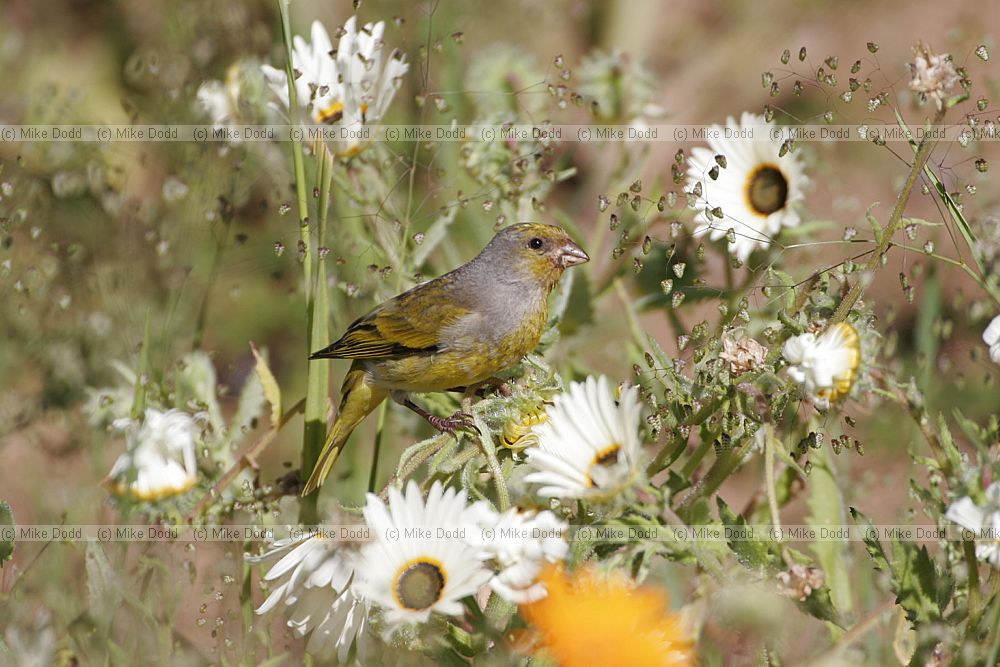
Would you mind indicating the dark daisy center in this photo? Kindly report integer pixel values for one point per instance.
(419, 585)
(767, 189)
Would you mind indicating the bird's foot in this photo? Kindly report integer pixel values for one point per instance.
(459, 420)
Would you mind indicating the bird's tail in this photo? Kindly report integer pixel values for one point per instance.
(359, 397)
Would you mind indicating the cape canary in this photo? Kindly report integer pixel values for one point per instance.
(452, 332)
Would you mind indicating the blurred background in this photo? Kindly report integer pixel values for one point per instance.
(93, 238)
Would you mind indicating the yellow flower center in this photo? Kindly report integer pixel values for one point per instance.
(766, 190)
(842, 383)
(606, 456)
(516, 428)
(335, 112)
(418, 584)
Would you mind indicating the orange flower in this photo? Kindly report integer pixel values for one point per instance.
(589, 618)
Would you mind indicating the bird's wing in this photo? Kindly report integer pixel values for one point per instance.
(407, 324)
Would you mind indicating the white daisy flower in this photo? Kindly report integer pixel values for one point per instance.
(312, 582)
(589, 447)
(350, 85)
(825, 365)
(419, 560)
(520, 543)
(159, 460)
(757, 190)
(981, 520)
(220, 101)
(991, 336)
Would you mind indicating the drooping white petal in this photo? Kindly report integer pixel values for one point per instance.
(312, 579)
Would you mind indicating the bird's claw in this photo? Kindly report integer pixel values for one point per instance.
(457, 421)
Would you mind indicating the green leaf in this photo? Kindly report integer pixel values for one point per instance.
(786, 282)
(272, 392)
(752, 554)
(951, 450)
(6, 535)
(251, 402)
(921, 589)
(926, 339)
(920, 222)
(917, 584)
(826, 508)
(820, 605)
(197, 381)
(103, 590)
(974, 432)
(875, 225)
(873, 545)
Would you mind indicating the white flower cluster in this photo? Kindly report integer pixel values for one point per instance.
(825, 364)
(424, 557)
(159, 459)
(933, 74)
(991, 336)
(980, 519)
(348, 86)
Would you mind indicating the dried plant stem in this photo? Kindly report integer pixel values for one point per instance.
(247, 459)
(895, 222)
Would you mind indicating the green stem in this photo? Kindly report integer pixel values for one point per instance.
(895, 222)
(379, 433)
(692, 463)
(317, 374)
(633, 322)
(972, 563)
(142, 375)
(772, 496)
(297, 160)
(496, 471)
(995, 633)
(717, 474)
(318, 377)
(213, 275)
(984, 284)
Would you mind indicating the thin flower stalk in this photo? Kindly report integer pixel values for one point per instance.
(895, 222)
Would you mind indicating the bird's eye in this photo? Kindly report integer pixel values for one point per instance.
(535, 243)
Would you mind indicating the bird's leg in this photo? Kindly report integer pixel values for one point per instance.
(479, 389)
(499, 385)
(451, 424)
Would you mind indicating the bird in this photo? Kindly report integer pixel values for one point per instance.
(454, 332)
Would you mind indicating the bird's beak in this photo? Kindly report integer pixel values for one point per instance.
(571, 254)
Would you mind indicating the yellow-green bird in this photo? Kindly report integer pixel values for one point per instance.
(448, 333)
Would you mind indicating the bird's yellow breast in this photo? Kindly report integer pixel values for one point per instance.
(467, 359)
